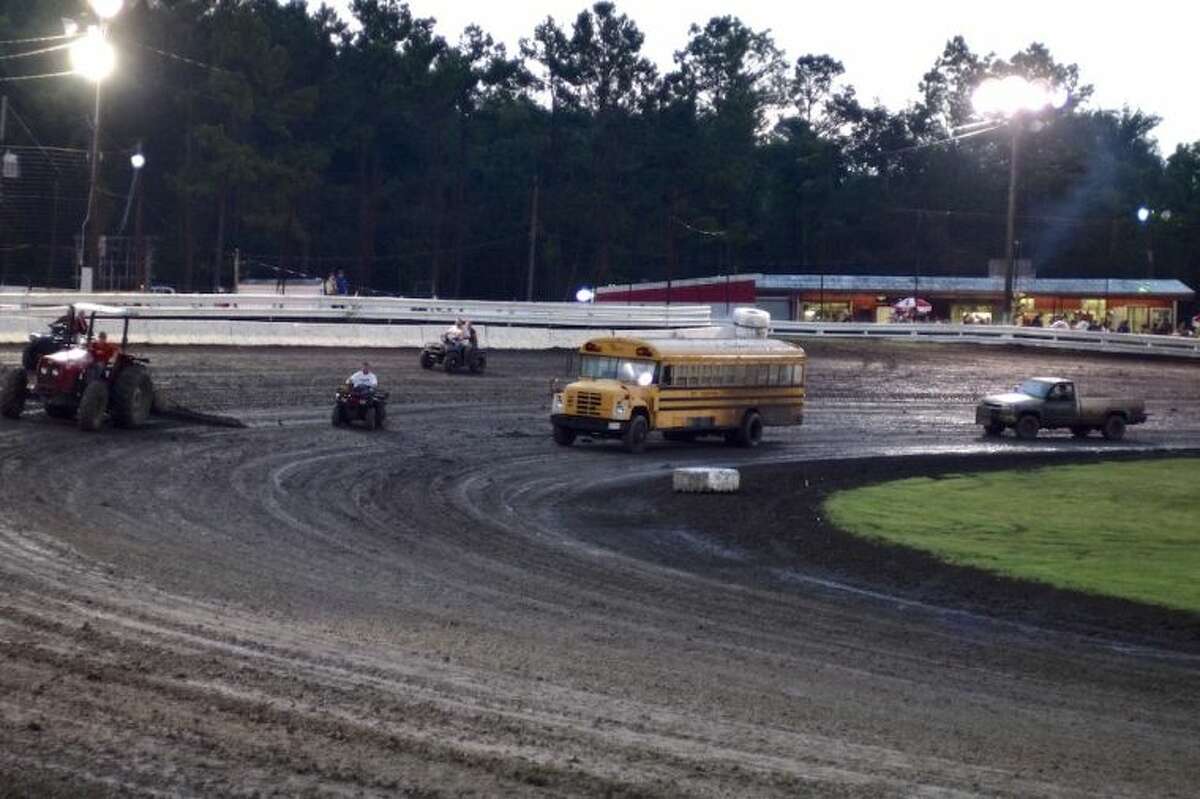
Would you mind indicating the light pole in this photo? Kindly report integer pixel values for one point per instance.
(95, 59)
(1015, 99)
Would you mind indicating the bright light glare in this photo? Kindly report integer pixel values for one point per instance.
(1143, 214)
(1011, 95)
(645, 378)
(106, 8)
(137, 160)
(92, 56)
(585, 295)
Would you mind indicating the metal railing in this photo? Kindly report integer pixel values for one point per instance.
(1098, 341)
(272, 307)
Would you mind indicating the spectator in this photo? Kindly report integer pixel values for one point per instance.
(1123, 327)
(342, 282)
(329, 287)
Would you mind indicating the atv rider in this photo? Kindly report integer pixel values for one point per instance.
(364, 380)
(74, 325)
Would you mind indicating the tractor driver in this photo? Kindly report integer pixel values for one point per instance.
(102, 350)
(363, 379)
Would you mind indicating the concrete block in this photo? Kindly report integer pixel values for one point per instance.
(706, 480)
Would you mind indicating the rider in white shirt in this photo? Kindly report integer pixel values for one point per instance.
(364, 378)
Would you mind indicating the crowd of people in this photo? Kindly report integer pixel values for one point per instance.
(1086, 321)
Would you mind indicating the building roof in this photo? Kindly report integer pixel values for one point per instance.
(908, 285)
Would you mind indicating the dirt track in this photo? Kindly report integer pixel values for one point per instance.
(457, 606)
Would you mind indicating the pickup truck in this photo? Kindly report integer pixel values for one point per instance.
(1051, 402)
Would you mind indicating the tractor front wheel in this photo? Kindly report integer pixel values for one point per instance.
(13, 390)
(92, 406)
(452, 362)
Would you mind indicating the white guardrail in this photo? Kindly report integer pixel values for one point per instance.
(1136, 344)
(283, 320)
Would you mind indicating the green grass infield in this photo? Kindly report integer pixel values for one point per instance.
(1128, 530)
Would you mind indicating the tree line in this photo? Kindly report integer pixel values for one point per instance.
(423, 165)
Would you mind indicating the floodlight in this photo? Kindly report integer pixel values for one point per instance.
(92, 56)
(106, 9)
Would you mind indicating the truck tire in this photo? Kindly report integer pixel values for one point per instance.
(13, 390)
(92, 406)
(749, 434)
(993, 429)
(1080, 432)
(634, 439)
(1114, 428)
(427, 359)
(452, 361)
(563, 435)
(1027, 427)
(132, 397)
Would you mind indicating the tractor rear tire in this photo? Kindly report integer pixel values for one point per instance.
(452, 362)
(132, 397)
(478, 364)
(92, 406)
(13, 390)
(1114, 428)
(427, 359)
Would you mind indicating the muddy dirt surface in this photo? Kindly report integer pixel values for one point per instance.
(456, 606)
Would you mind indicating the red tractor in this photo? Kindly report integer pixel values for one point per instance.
(86, 381)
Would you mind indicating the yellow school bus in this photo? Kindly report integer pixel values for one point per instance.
(683, 387)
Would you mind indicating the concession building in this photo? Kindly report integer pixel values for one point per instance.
(1142, 304)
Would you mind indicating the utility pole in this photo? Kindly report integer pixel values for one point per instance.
(1010, 271)
(91, 251)
(533, 223)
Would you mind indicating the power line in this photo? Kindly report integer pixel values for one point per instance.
(29, 53)
(10, 78)
(42, 38)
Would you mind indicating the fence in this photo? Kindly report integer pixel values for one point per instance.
(1177, 346)
(282, 320)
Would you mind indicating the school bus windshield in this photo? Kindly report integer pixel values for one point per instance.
(628, 370)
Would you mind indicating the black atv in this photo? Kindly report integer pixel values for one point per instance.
(60, 337)
(453, 355)
(361, 404)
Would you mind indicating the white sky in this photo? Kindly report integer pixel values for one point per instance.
(1136, 54)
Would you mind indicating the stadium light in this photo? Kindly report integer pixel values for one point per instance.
(1009, 96)
(106, 9)
(92, 56)
(137, 160)
(1143, 214)
(1012, 98)
(585, 295)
